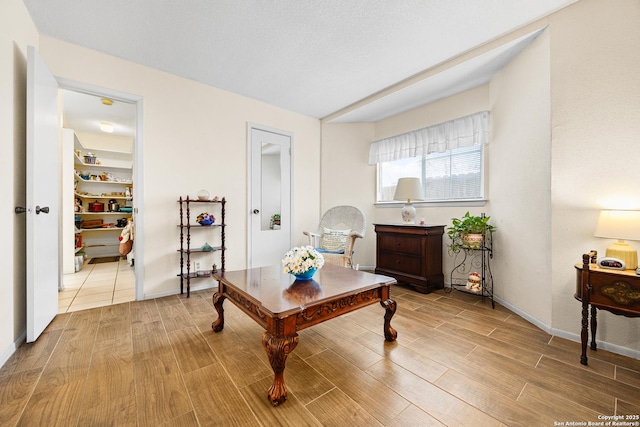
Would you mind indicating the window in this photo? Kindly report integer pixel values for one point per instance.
(452, 175)
(448, 157)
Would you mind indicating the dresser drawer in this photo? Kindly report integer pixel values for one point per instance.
(399, 262)
(400, 243)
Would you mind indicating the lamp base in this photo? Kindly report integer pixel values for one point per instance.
(408, 214)
(624, 251)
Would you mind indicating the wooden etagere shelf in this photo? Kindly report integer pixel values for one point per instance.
(187, 225)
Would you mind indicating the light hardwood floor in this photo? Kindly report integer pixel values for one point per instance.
(456, 362)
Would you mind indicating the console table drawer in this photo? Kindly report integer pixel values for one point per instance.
(404, 263)
(401, 244)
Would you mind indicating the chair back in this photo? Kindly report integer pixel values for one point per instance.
(342, 218)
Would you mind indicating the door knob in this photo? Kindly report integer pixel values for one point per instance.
(43, 210)
(256, 211)
(20, 209)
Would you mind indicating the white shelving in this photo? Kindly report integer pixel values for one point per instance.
(111, 178)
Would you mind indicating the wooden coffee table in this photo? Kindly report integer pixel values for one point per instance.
(283, 306)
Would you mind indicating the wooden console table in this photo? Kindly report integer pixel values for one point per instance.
(411, 254)
(283, 306)
(617, 291)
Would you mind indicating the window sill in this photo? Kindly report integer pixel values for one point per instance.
(435, 203)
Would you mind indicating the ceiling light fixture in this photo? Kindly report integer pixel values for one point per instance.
(106, 127)
(107, 101)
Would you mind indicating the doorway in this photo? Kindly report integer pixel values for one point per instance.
(270, 217)
(98, 197)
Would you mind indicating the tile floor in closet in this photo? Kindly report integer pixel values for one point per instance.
(97, 285)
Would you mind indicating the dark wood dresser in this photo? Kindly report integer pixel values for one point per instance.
(411, 254)
(617, 291)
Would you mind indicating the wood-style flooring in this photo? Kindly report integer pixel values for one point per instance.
(456, 362)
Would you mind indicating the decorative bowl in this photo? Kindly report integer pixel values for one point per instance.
(305, 275)
(205, 219)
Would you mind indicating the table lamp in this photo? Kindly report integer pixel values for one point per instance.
(622, 225)
(408, 189)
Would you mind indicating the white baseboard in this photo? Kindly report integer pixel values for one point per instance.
(12, 348)
(614, 348)
(177, 291)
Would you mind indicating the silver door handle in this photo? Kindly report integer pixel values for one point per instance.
(256, 211)
(20, 209)
(43, 210)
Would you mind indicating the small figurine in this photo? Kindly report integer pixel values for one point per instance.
(214, 269)
(473, 284)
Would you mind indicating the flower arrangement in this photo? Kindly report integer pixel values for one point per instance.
(302, 259)
(205, 219)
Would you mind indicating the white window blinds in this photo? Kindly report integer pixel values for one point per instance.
(463, 132)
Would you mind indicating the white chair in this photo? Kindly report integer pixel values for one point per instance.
(335, 238)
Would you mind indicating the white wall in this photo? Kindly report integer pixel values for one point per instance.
(595, 105)
(347, 179)
(194, 138)
(16, 33)
(519, 160)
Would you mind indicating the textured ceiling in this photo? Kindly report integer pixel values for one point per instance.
(314, 57)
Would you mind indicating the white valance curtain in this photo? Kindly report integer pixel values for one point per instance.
(462, 132)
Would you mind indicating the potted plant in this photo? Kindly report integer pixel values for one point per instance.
(468, 231)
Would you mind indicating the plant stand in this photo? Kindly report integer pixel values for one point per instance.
(473, 260)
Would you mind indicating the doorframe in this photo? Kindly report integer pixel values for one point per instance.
(250, 127)
(138, 163)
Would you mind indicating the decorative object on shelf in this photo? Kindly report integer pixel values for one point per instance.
(214, 269)
(203, 195)
(408, 189)
(622, 225)
(90, 159)
(205, 219)
(206, 247)
(468, 231)
(303, 292)
(302, 262)
(216, 199)
(473, 283)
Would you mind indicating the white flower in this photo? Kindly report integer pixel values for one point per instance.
(301, 259)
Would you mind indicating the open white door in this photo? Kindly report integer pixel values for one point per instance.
(43, 269)
(270, 195)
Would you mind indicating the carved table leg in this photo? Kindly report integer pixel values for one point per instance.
(594, 327)
(218, 299)
(277, 350)
(584, 332)
(390, 334)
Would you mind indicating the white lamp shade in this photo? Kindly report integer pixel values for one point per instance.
(614, 224)
(408, 189)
